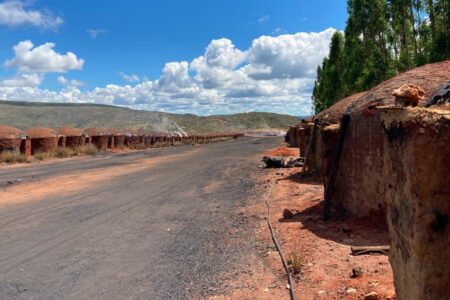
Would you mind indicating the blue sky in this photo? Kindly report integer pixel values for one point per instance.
(204, 57)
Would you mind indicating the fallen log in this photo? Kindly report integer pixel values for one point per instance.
(363, 250)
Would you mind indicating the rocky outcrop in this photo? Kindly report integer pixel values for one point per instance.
(417, 164)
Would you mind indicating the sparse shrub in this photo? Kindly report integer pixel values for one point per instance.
(42, 156)
(140, 147)
(12, 157)
(64, 152)
(21, 158)
(88, 149)
(296, 263)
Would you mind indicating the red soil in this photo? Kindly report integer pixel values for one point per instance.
(324, 248)
(284, 151)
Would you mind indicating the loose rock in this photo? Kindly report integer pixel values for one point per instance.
(408, 95)
(356, 272)
(371, 296)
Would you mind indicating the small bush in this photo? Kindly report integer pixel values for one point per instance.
(42, 156)
(296, 263)
(88, 149)
(64, 152)
(12, 157)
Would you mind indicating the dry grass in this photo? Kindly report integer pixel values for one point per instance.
(88, 149)
(12, 157)
(296, 263)
(65, 152)
(40, 156)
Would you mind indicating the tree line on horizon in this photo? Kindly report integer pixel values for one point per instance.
(381, 39)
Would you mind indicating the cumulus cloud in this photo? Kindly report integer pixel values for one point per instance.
(69, 83)
(275, 74)
(17, 13)
(215, 68)
(42, 59)
(289, 55)
(22, 80)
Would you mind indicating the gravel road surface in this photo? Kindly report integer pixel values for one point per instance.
(164, 229)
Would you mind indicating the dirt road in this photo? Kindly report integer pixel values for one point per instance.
(155, 224)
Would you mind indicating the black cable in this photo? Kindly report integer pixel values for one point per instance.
(274, 238)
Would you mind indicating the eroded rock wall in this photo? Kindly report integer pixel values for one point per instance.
(417, 175)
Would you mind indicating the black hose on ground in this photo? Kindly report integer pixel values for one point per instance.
(277, 244)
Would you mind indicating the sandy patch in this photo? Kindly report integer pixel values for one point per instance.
(77, 180)
(212, 186)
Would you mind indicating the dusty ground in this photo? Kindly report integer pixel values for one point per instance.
(323, 247)
(177, 223)
(154, 224)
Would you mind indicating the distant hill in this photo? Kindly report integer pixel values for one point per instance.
(24, 115)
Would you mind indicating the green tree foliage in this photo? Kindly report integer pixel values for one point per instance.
(328, 85)
(381, 39)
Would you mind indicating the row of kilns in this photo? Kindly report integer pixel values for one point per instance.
(41, 139)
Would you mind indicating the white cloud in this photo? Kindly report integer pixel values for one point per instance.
(129, 77)
(263, 19)
(62, 80)
(23, 80)
(70, 83)
(42, 59)
(17, 13)
(215, 67)
(278, 31)
(94, 33)
(275, 74)
(288, 56)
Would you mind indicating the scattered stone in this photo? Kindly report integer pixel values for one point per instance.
(408, 95)
(287, 214)
(371, 296)
(356, 272)
(351, 291)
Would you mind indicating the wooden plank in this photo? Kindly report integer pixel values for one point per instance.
(363, 250)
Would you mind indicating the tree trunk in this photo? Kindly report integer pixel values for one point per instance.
(432, 19)
(404, 39)
(413, 24)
